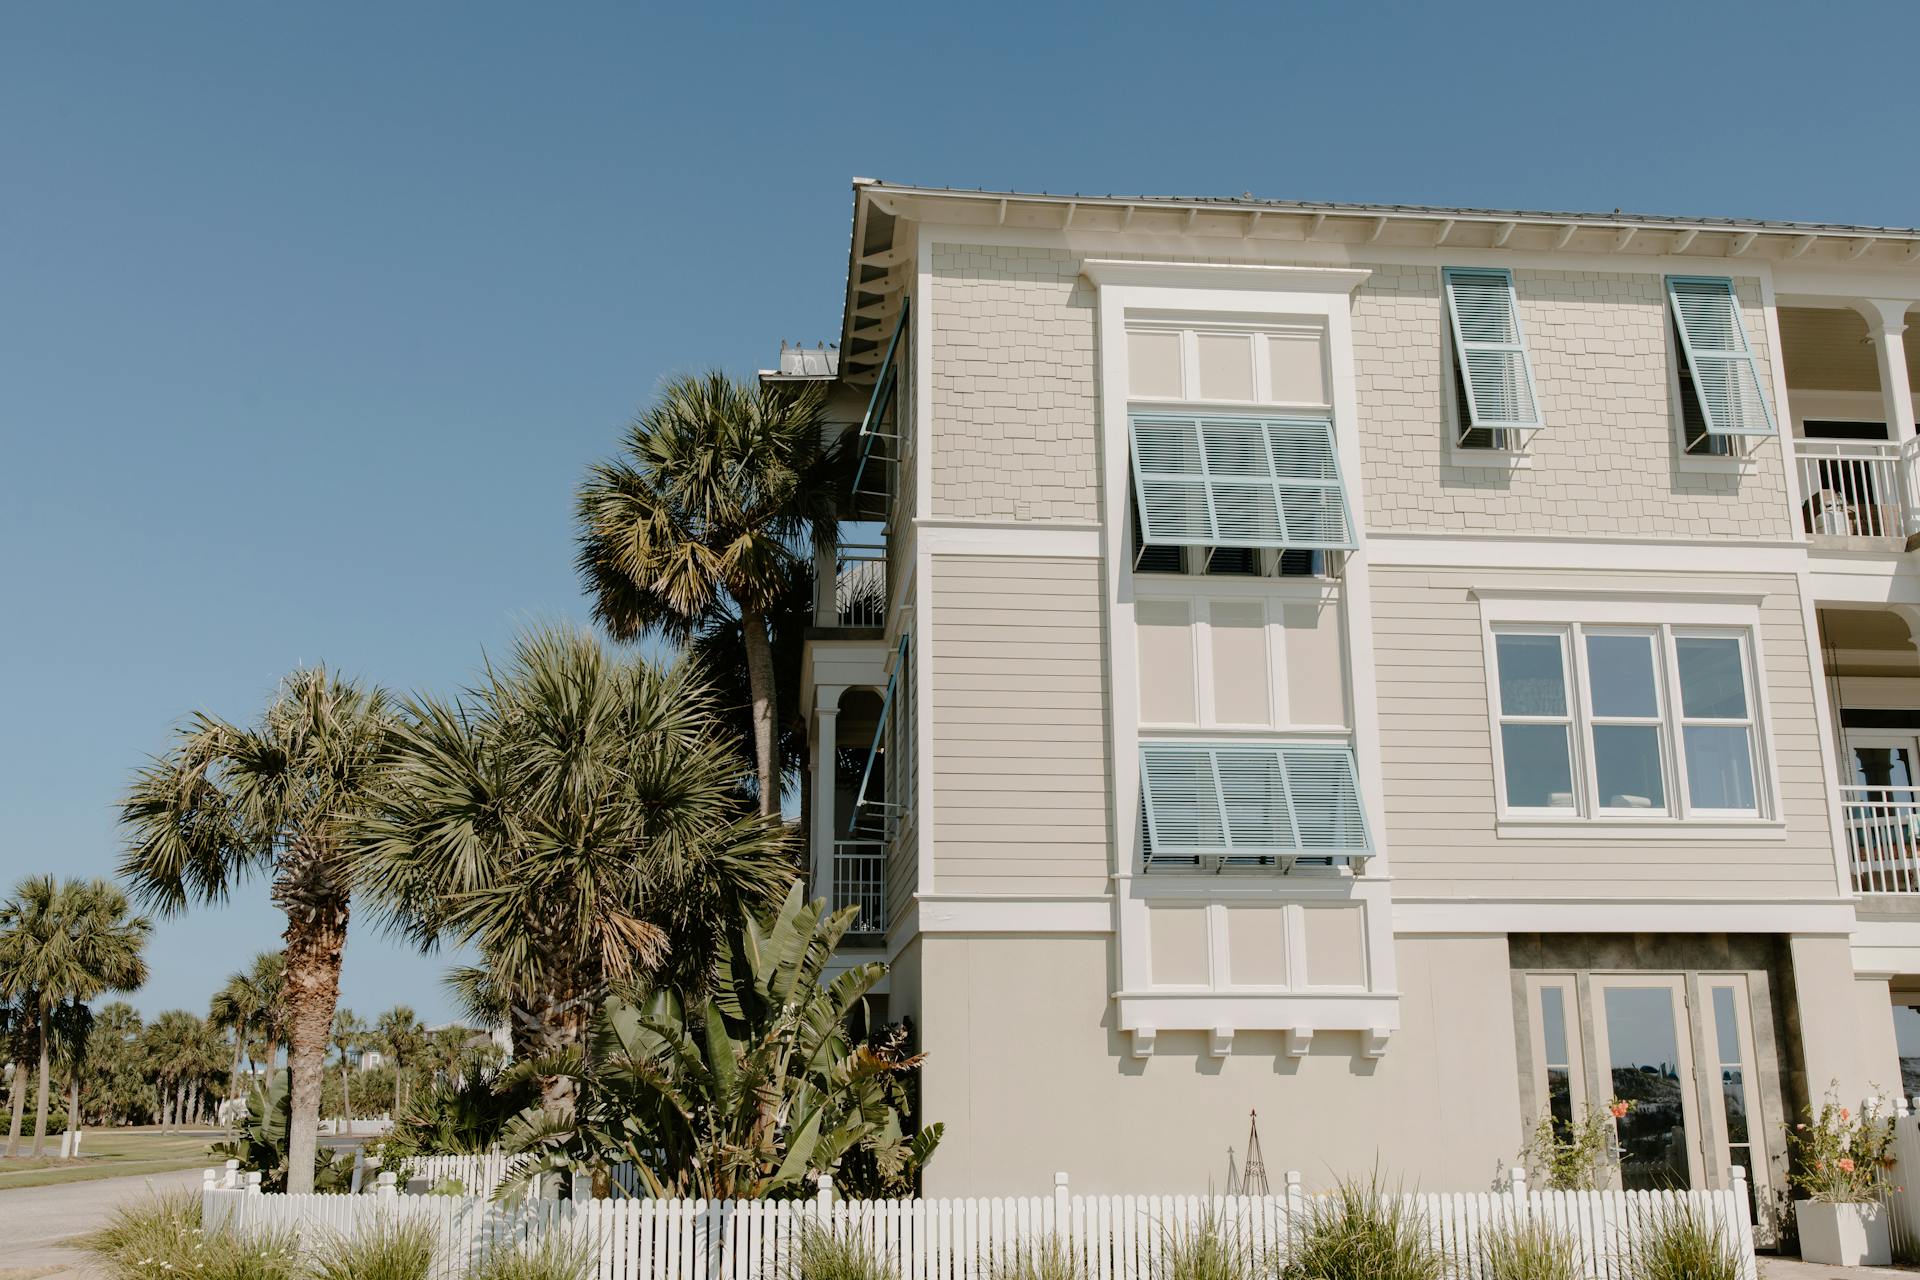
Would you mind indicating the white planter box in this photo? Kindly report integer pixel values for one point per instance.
(1843, 1235)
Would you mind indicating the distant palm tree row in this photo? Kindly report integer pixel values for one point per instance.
(586, 821)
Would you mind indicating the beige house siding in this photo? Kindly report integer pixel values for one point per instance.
(1438, 759)
(1019, 720)
(1015, 432)
(1607, 462)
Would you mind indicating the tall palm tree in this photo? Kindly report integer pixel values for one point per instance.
(278, 797)
(66, 942)
(576, 820)
(246, 1005)
(349, 1035)
(17, 1022)
(171, 1044)
(399, 1035)
(705, 516)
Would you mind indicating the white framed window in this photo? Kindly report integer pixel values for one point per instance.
(1622, 721)
(1559, 1079)
(1720, 402)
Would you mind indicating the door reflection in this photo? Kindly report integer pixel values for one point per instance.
(1644, 1052)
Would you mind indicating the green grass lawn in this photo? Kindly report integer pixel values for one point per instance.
(111, 1153)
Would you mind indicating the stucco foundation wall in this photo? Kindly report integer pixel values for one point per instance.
(1607, 462)
(1030, 1082)
(1015, 430)
(1438, 757)
(1879, 1052)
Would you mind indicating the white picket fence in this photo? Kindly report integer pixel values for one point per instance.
(478, 1175)
(1902, 1197)
(1108, 1237)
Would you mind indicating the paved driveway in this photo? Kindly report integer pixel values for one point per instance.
(34, 1220)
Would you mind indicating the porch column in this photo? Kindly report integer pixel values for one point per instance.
(822, 760)
(1886, 322)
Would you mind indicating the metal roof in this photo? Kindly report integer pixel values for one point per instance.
(1250, 201)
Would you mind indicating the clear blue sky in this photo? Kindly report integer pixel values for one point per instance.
(311, 316)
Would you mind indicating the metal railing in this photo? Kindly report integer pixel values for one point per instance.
(1883, 838)
(860, 880)
(860, 585)
(1858, 488)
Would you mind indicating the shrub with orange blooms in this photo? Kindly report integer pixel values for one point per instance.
(1842, 1158)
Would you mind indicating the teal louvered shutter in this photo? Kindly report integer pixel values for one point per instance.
(867, 803)
(1490, 351)
(1719, 361)
(1252, 803)
(1209, 481)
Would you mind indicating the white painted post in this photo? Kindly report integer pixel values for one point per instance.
(385, 1186)
(253, 1183)
(232, 1180)
(77, 1135)
(1062, 1206)
(1296, 1197)
(1740, 1194)
(359, 1169)
(582, 1189)
(209, 1179)
(825, 1193)
(1517, 1188)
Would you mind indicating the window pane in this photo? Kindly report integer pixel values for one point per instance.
(1712, 684)
(1725, 1029)
(1532, 677)
(1626, 759)
(1560, 1101)
(1645, 1069)
(1553, 1025)
(1538, 775)
(1153, 365)
(1621, 669)
(1734, 1094)
(1719, 767)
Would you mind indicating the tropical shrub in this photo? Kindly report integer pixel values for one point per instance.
(260, 1143)
(1571, 1156)
(387, 1250)
(1532, 1250)
(748, 1088)
(1679, 1242)
(1361, 1231)
(464, 1115)
(161, 1238)
(1841, 1157)
(556, 1255)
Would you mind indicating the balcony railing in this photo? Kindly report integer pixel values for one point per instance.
(858, 595)
(1859, 488)
(1883, 838)
(860, 880)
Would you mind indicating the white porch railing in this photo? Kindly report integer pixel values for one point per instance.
(860, 880)
(1859, 488)
(1883, 837)
(1108, 1237)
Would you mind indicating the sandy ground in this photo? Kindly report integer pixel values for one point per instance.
(35, 1220)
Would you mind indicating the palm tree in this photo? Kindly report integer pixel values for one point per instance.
(349, 1034)
(576, 820)
(246, 1007)
(17, 1022)
(399, 1035)
(66, 942)
(171, 1044)
(226, 801)
(704, 519)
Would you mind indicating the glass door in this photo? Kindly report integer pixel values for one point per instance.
(1645, 1062)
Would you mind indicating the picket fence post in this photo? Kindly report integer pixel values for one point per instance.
(384, 1186)
(1517, 1187)
(253, 1183)
(231, 1181)
(1062, 1207)
(825, 1195)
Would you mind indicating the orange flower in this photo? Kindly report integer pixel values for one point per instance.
(1619, 1109)
(1845, 1114)
(1846, 1164)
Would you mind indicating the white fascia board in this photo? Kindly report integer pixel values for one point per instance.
(1107, 272)
(1563, 915)
(1503, 551)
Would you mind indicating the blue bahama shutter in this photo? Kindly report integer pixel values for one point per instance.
(1490, 352)
(1214, 481)
(1719, 360)
(1252, 802)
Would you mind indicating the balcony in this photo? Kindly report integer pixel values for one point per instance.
(851, 586)
(1859, 492)
(860, 880)
(1883, 838)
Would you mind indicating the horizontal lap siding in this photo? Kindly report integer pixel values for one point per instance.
(1019, 720)
(1438, 758)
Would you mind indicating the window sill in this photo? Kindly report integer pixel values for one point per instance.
(1489, 459)
(1704, 464)
(1665, 828)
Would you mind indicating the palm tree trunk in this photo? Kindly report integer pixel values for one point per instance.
(73, 1110)
(314, 940)
(753, 631)
(19, 1092)
(46, 1069)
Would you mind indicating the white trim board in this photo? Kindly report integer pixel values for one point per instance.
(957, 537)
(1569, 915)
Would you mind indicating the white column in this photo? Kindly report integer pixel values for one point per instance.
(1886, 322)
(822, 761)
